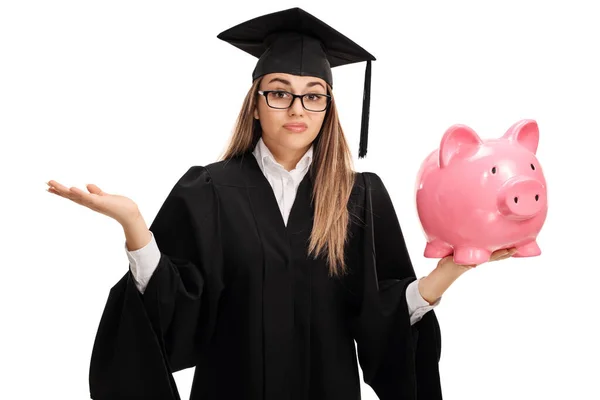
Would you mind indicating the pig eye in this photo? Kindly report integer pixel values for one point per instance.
(493, 170)
(532, 166)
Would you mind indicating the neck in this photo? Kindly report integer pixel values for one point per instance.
(288, 158)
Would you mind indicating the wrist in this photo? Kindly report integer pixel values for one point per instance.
(428, 289)
(433, 286)
(137, 234)
(135, 219)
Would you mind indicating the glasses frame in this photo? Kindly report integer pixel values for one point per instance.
(265, 93)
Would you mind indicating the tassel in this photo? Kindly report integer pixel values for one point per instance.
(364, 126)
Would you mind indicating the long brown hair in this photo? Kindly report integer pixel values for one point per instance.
(332, 171)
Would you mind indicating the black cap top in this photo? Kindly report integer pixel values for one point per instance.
(295, 42)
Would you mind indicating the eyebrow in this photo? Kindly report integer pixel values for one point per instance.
(286, 82)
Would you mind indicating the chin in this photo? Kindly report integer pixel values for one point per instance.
(296, 141)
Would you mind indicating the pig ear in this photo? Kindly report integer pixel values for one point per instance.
(458, 142)
(526, 133)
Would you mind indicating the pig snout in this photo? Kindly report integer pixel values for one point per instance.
(521, 198)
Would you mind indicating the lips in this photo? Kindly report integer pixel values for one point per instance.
(296, 127)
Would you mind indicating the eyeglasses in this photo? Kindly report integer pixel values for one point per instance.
(281, 99)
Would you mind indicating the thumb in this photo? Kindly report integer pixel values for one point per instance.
(95, 189)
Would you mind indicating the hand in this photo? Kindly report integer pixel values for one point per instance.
(439, 280)
(497, 255)
(120, 208)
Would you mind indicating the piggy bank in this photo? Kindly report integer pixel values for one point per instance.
(476, 196)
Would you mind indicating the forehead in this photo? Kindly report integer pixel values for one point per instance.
(293, 80)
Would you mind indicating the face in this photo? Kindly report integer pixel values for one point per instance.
(295, 128)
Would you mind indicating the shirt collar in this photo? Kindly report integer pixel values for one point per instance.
(263, 155)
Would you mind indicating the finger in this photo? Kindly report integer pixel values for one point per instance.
(464, 265)
(502, 257)
(95, 189)
(446, 259)
(503, 254)
(496, 255)
(57, 186)
(450, 259)
(58, 189)
(511, 252)
(64, 191)
(80, 195)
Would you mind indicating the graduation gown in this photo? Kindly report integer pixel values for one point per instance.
(235, 295)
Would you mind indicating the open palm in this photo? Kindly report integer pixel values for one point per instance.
(118, 207)
(497, 255)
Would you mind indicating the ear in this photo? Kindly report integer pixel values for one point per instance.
(526, 133)
(458, 142)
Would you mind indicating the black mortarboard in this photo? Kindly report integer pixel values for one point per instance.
(294, 42)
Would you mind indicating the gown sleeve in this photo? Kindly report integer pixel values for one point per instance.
(398, 360)
(142, 339)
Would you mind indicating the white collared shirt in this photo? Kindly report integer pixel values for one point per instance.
(284, 183)
(144, 261)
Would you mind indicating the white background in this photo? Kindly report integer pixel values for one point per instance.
(129, 94)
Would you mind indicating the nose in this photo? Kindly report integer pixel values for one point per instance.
(522, 198)
(296, 106)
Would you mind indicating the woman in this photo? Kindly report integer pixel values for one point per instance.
(263, 297)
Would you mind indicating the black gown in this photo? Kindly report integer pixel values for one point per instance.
(235, 295)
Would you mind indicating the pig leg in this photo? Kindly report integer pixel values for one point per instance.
(471, 255)
(530, 249)
(437, 249)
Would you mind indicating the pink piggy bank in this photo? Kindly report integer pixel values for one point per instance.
(476, 196)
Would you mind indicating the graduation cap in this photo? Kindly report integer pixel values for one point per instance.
(295, 42)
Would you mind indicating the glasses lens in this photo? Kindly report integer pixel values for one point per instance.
(279, 99)
(315, 102)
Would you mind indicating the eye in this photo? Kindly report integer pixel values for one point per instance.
(314, 96)
(281, 95)
(493, 170)
(532, 166)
